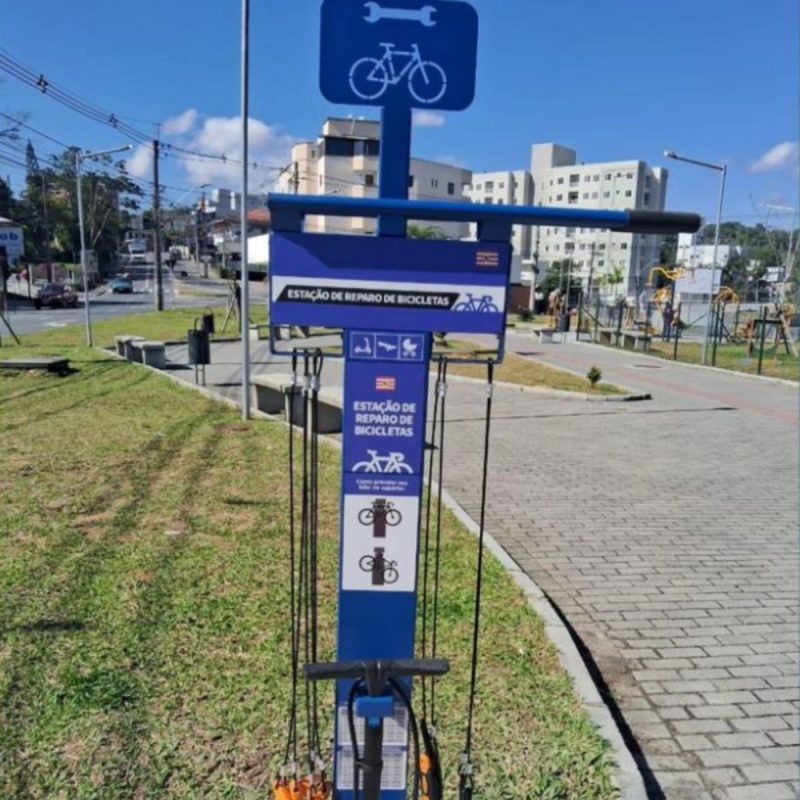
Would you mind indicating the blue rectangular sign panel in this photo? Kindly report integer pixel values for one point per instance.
(386, 387)
(403, 53)
(388, 284)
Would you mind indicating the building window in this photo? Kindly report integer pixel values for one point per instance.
(560, 181)
(557, 248)
(583, 247)
(489, 186)
(586, 195)
(608, 176)
(623, 246)
(477, 187)
(629, 176)
(606, 194)
(410, 181)
(501, 186)
(488, 201)
(499, 201)
(595, 177)
(451, 188)
(587, 178)
(369, 179)
(573, 179)
(435, 183)
(628, 193)
(603, 246)
(573, 198)
(559, 198)
(569, 247)
(647, 180)
(646, 198)
(601, 262)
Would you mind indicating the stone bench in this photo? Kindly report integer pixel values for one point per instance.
(273, 395)
(58, 366)
(545, 335)
(150, 353)
(636, 340)
(125, 347)
(606, 335)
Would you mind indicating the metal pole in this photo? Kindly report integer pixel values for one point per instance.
(84, 267)
(714, 263)
(244, 317)
(156, 226)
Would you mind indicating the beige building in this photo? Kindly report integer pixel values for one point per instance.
(344, 160)
(560, 180)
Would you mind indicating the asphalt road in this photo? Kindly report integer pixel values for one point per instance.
(192, 291)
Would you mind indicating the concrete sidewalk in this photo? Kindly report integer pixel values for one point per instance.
(666, 534)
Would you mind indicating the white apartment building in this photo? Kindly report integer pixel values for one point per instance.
(560, 180)
(505, 188)
(344, 160)
(701, 256)
(224, 202)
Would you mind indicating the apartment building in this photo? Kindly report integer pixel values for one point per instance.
(223, 203)
(693, 253)
(344, 161)
(560, 180)
(505, 188)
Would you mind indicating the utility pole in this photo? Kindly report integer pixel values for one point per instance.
(157, 228)
(202, 222)
(296, 177)
(46, 225)
(244, 316)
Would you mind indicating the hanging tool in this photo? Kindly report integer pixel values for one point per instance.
(466, 769)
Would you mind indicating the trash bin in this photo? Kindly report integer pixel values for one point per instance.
(563, 323)
(208, 322)
(199, 348)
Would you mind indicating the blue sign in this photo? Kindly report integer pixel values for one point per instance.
(391, 284)
(403, 53)
(386, 390)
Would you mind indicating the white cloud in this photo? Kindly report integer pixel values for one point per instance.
(180, 125)
(269, 146)
(782, 156)
(140, 164)
(428, 119)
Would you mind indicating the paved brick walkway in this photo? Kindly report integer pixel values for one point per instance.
(667, 534)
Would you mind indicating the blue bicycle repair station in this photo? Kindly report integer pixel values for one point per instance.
(389, 295)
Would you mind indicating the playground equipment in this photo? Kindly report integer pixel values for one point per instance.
(384, 298)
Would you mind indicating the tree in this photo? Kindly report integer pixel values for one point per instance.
(6, 200)
(425, 232)
(108, 200)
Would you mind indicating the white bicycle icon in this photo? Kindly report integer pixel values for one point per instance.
(388, 465)
(371, 77)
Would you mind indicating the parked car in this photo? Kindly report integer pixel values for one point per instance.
(56, 295)
(121, 286)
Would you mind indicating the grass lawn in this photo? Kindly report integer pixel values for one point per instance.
(165, 326)
(144, 640)
(527, 372)
(776, 364)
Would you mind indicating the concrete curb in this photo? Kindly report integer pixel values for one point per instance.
(555, 393)
(720, 370)
(629, 780)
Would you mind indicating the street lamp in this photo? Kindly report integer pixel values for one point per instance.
(84, 267)
(723, 170)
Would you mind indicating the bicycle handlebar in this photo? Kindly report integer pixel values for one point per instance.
(286, 209)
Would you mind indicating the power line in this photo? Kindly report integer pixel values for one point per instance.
(40, 82)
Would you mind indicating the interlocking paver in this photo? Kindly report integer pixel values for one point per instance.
(667, 534)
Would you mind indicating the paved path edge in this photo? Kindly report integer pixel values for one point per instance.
(629, 778)
(735, 373)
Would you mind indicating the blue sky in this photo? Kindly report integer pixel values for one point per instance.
(614, 79)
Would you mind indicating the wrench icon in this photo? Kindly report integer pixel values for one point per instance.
(377, 12)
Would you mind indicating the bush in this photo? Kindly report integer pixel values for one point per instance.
(594, 375)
